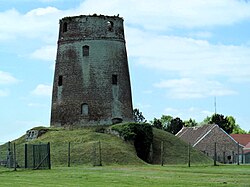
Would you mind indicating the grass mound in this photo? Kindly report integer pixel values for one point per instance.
(175, 151)
(84, 148)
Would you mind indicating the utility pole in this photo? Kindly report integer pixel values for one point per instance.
(215, 105)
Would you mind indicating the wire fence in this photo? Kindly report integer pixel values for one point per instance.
(219, 152)
(96, 153)
(40, 156)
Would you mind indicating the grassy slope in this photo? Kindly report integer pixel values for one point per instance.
(175, 150)
(114, 149)
(83, 142)
(139, 176)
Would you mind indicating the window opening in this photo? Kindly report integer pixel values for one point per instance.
(65, 27)
(84, 109)
(114, 79)
(85, 50)
(110, 25)
(60, 80)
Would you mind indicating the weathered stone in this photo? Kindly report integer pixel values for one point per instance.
(31, 134)
(91, 80)
(34, 134)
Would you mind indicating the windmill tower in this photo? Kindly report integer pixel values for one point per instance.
(91, 81)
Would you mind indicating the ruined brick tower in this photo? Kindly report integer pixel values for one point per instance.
(91, 80)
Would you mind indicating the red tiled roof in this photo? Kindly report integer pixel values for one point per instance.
(243, 139)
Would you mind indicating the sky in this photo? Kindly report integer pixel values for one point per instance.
(182, 55)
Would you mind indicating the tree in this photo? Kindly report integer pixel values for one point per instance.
(165, 121)
(162, 123)
(222, 122)
(190, 123)
(157, 123)
(239, 130)
(175, 126)
(236, 128)
(206, 121)
(138, 116)
(227, 123)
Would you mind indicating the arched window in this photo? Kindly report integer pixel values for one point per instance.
(110, 25)
(85, 109)
(85, 50)
(65, 27)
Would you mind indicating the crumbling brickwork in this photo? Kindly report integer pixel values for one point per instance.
(91, 80)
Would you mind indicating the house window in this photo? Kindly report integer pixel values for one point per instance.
(85, 109)
(65, 27)
(60, 80)
(110, 25)
(114, 79)
(85, 50)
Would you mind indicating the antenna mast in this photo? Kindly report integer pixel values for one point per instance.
(215, 105)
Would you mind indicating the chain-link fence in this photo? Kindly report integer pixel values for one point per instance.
(42, 155)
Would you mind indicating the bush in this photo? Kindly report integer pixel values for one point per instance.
(140, 133)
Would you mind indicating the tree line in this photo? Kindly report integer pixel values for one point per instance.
(174, 125)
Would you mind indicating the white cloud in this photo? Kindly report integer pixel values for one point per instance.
(155, 15)
(36, 24)
(42, 11)
(184, 56)
(42, 90)
(46, 53)
(201, 34)
(189, 57)
(187, 88)
(175, 13)
(7, 78)
(170, 53)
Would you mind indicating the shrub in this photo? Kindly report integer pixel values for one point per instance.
(140, 133)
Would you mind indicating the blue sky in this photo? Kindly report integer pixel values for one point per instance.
(182, 54)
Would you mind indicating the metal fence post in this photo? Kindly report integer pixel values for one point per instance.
(25, 156)
(238, 158)
(224, 157)
(48, 149)
(14, 156)
(215, 154)
(162, 149)
(69, 154)
(100, 153)
(34, 159)
(189, 156)
(242, 156)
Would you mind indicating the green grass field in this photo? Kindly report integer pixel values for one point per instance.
(226, 175)
(121, 167)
